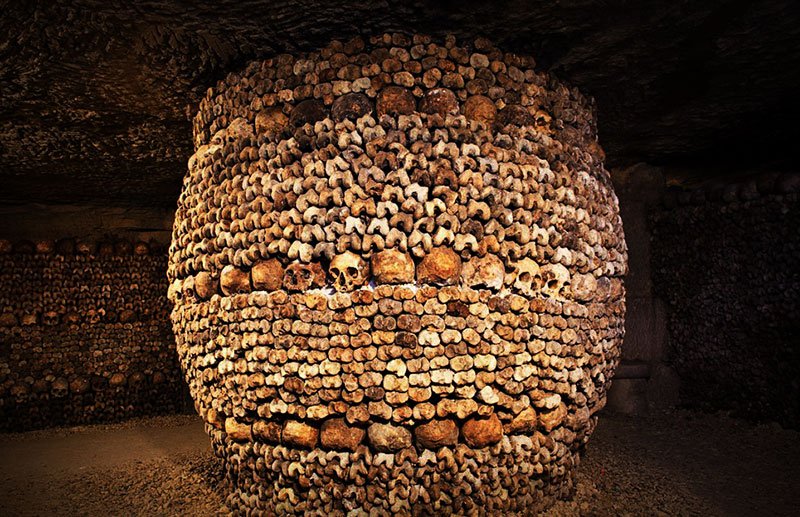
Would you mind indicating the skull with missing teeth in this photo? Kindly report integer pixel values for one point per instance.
(348, 271)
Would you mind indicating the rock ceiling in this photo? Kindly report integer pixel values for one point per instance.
(94, 95)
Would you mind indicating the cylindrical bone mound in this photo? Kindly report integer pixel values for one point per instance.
(397, 275)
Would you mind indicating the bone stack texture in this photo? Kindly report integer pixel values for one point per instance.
(726, 258)
(84, 334)
(397, 275)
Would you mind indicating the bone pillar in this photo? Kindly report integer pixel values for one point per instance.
(419, 258)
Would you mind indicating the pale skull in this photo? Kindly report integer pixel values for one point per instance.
(556, 281)
(487, 271)
(348, 271)
(525, 277)
(175, 291)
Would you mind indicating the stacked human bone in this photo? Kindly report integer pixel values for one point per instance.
(734, 307)
(84, 334)
(397, 275)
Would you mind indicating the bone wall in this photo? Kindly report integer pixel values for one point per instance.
(84, 333)
(726, 259)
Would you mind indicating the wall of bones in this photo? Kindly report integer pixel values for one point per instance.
(84, 334)
(726, 258)
(396, 272)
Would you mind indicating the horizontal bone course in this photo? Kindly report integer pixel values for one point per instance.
(396, 271)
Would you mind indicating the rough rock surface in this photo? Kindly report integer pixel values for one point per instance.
(112, 84)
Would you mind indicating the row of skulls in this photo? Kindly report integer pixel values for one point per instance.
(349, 271)
(71, 246)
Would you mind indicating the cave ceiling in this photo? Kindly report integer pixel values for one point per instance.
(95, 96)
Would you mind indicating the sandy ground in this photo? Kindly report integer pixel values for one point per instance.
(674, 463)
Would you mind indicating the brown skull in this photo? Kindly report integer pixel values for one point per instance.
(392, 267)
(348, 271)
(300, 277)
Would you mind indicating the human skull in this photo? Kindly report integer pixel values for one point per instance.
(93, 316)
(487, 271)
(300, 277)
(127, 316)
(8, 319)
(123, 247)
(441, 266)
(50, 318)
(79, 385)
(20, 393)
(348, 271)
(45, 247)
(556, 281)
(72, 318)
(105, 248)
(141, 248)
(188, 288)
(117, 380)
(84, 248)
(60, 387)
(584, 287)
(267, 275)
(65, 246)
(392, 266)
(351, 106)
(175, 291)
(136, 379)
(30, 318)
(233, 280)
(205, 285)
(270, 120)
(526, 277)
(40, 386)
(238, 129)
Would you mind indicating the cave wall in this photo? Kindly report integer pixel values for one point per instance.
(726, 261)
(84, 332)
(645, 379)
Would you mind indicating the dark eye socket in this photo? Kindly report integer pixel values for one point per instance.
(352, 271)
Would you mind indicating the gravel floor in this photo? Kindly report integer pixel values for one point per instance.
(675, 463)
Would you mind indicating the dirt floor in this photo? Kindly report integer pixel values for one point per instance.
(675, 463)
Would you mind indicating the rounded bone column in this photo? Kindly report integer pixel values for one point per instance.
(397, 275)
